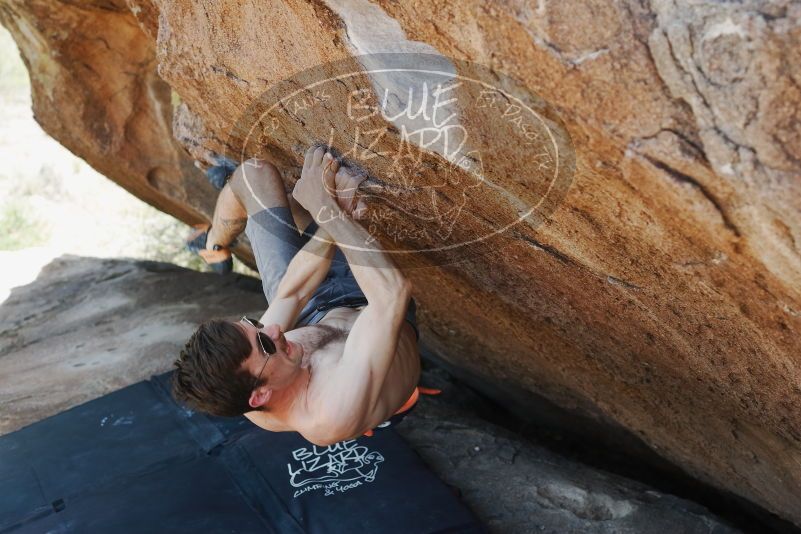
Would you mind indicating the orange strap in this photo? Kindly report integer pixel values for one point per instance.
(209, 256)
(411, 401)
(214, 256)
(415, 397)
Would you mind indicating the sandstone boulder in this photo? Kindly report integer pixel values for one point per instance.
(659, 291)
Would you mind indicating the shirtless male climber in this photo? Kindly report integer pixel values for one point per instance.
(335, 355)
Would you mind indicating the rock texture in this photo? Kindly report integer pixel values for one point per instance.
(516, 486)
(111, 323)
(662, 296)
(96, 90)
(89, 326)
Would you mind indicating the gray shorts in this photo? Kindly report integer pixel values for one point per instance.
(275, 240)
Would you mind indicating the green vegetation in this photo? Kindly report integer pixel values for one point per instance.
(19, 228)
(53, 199)
(159, 237)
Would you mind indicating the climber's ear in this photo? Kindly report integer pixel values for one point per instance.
(260, 397)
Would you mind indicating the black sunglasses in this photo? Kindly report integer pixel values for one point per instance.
(266, 344)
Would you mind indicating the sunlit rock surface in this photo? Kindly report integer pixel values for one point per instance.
(662, 294)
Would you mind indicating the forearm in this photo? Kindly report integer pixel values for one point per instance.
(318, 191)
(303, 275)
(310, 265)
(308, 268)
(374, 270)
(301, 217)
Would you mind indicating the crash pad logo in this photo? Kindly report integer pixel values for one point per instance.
(456, 156)
(333, 469)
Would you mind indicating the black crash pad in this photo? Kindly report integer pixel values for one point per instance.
(135, 461)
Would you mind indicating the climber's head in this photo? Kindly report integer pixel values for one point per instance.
(230, 368)
(209, 375)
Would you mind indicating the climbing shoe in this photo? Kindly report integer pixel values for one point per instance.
(219, 173)
(219, 258)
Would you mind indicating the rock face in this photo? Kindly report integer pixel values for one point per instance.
(516, 486)
(96, 91)
(111, 323)
(661, 292)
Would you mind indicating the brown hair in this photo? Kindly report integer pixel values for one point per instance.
(208, 373)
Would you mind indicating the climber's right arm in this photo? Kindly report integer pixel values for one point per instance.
(303, 276)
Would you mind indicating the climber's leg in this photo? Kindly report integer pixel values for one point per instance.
(253, 199)
(258, 186)
(228, 221)
(255, 182)
(273, 220)
(212, 242)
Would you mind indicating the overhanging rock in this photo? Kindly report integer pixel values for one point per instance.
(660, 293)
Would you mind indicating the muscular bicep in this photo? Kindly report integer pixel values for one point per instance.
(351, 392)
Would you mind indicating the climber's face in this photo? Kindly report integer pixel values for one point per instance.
(274, 361)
